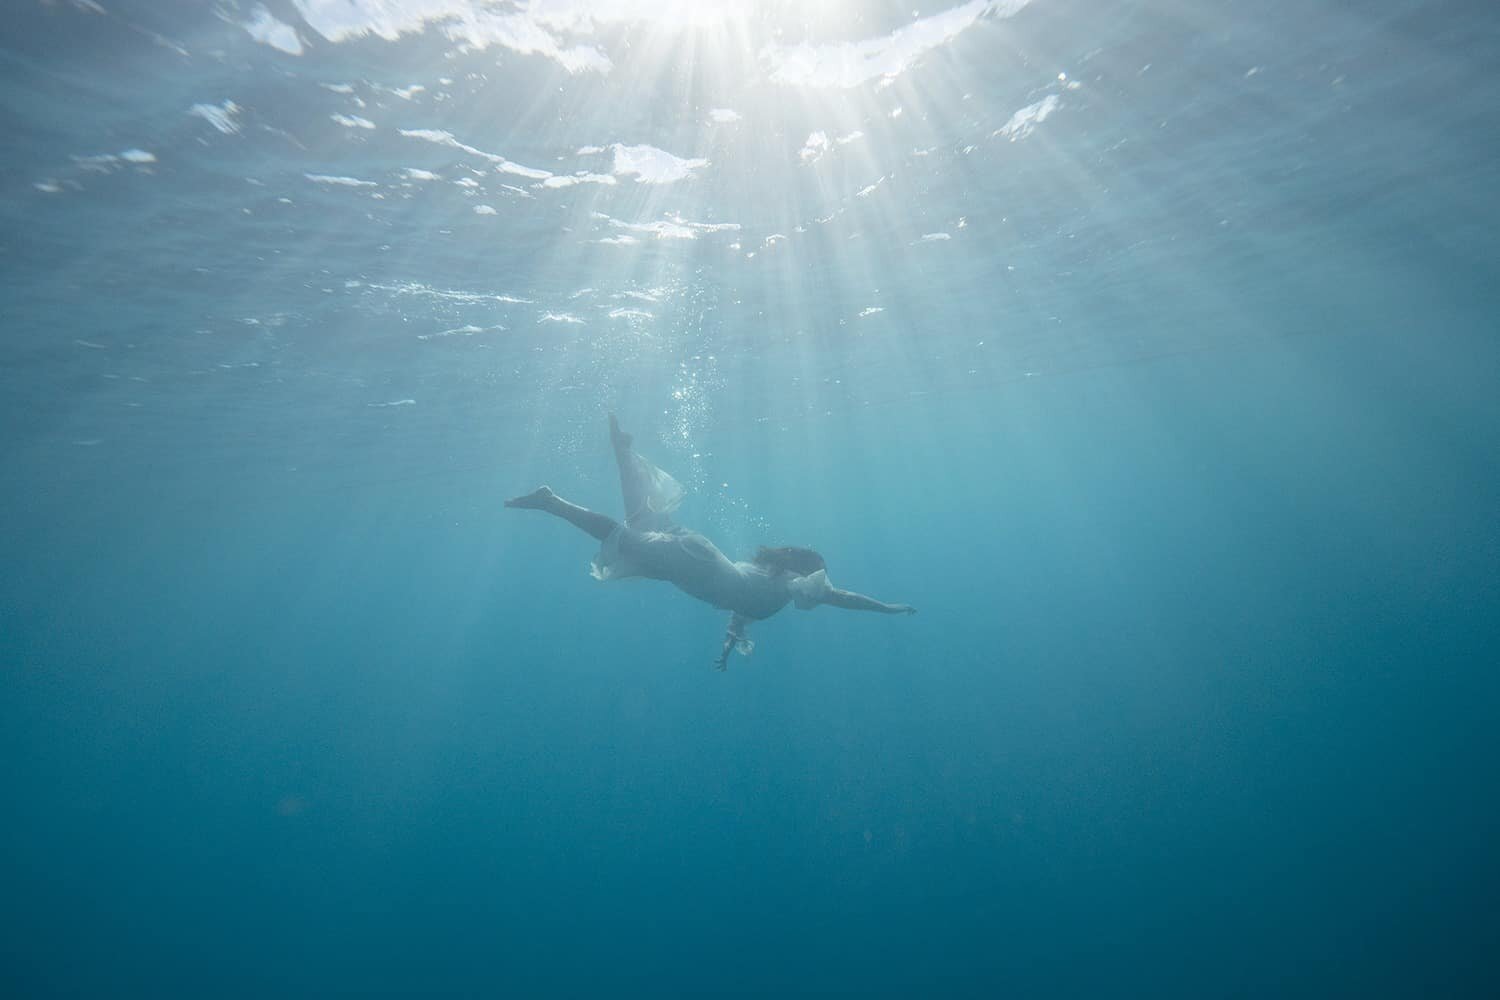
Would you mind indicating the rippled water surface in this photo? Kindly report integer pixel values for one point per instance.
(1148, 348)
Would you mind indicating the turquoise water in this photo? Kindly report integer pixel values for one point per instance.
(1148, 349)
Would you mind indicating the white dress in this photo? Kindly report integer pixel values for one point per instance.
(650, 544)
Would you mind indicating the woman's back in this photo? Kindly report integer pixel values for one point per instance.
(696, 566)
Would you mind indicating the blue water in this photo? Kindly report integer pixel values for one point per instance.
(1147, 348)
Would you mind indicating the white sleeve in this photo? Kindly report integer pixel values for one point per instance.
(809, 591)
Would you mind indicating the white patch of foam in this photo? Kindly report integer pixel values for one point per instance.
(266, 29)
(675, 228)
(520, 32)
(105, 163)
(101, 163)
(589, 150)
(484, 210)
(407, 93)
(626, 313)
(934, 237)
(871, 311)
(813, 149)
(1025, 121)
(844, 140)
(418, 174)
(511, 167)
(849, 64)
(472, 23)
(623, 240)
(352, 121)
(338, 88)
(541, 27)
(553, 317)
(582, 177)
(220, 116)
(865, 192)
(723, 116)
(467, 182)
(649, 165)
(394, 402)
(442, 137)
(339, 20)
(339, 181)
(48, 186)
(586, 15)
(448, 294)
(467, 330)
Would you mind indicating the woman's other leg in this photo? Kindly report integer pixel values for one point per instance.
(633, 487)
(650, 494)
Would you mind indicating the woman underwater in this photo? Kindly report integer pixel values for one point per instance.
(649, 544)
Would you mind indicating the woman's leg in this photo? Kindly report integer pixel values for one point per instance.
(650, 494)
(632, 488)
(587, 521)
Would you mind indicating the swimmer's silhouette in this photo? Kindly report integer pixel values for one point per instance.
(649, 544)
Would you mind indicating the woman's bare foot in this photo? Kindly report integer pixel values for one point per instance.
(533, 501)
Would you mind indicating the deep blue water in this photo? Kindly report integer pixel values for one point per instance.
(1149, 349)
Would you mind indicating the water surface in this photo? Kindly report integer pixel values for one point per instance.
(1147, 348)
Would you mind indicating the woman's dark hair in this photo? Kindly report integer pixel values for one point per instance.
(803, 562)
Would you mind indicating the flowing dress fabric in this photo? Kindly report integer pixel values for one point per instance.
(628, 552)
(650, 544)
(650, 493)
(649, 541)
(811, 590)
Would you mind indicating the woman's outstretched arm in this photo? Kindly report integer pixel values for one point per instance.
(851, 601)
